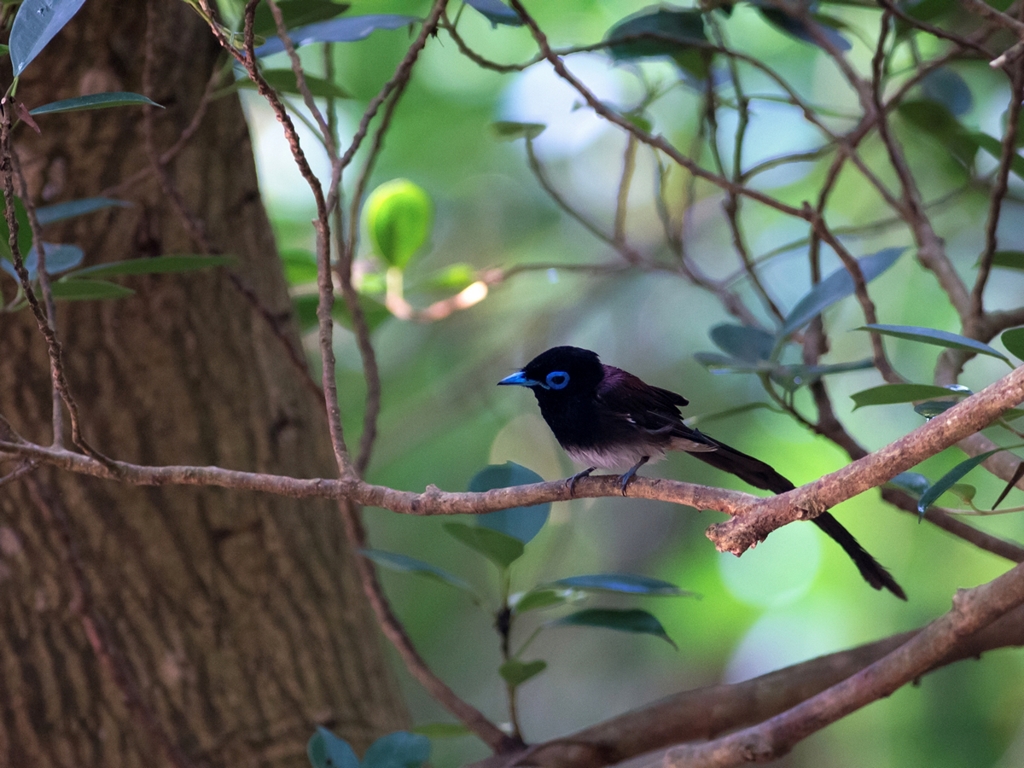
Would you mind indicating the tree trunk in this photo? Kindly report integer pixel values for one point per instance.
(169, 626)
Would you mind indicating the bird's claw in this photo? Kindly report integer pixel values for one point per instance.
(571, 482)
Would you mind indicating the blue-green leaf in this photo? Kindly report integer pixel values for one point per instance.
(67, 289)
(804, 28)
(949, 479)
(154, 266)
(889, 394)
(325, 750)
(631, 620)
(913, 483)
(93, 101)
(835, 287)
(59, 258)
(624, 583)
(345, 30)
(515, 672)
(496, 12)
(938, 338)
(295, 13)
(400, 749)
(521, 523)
(499, 548)
(751, 345)
(60, 211)
(405, 564)
(948, 88)
(675, 33)
(35, 25)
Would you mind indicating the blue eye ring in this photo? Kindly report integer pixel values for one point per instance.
(557, 380)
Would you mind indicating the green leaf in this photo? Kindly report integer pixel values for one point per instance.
(932, 408)
(539, 598)
(93, 101)
(299, 266)
(442, 730)
(751, 345)
(1008, 260)
(835, 287)
(296, 13)
(346, 30)
(405, 564)
(938, 338)
(452, 278)
(994, 147)
(963, 491)
(400, 749)
(889, 394)
(61, 211)
(1013, 340)
(631, 620)
(155, 266)
(398, 216)
(496, 12)
(35, 25)
(499, 548)
(305, 311)
(622, 583)
(521, 523)
(505, 129)
(945, 86)
(284, 81)
(934, 119)
(325, 750)
(809, 30)
(677, 34)
(515, 672)
(913, 483)
(949, 479)
(67, 289)
(24, 231)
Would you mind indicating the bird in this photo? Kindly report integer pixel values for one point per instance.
(605, 417)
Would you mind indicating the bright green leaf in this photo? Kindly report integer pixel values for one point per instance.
(299, 266)
(1013, 340)
(539, 598)
(452, 278)
(515, 672)
(835, 287)
(93, 101)
(938, 338)
(631, 620)
(499, 548)
(305, 311)
(398, 216)
(521, 523)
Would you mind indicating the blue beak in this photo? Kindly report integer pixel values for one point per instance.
(518, 379)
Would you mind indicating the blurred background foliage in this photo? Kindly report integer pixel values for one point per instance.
(794, 597)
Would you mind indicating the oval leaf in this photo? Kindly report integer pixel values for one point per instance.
(631, 620)
(88, 290)
(35, 25)
(500, 549)
(515, 672)
(398, 217)
(61, 211)
(94, 101)
(749, 344)
(938, 338)
(912, 482)
(889, 394)
(835, 287)
(949, 479)
(677, 34)
(400, 749)
(508, 130)
(1013, 340)
(624, 583)
(325, 750)
(346, 30)
(155, 266)
(521, 523)
(538, 598)
(496, 12)
(932, 408)
(405, 564)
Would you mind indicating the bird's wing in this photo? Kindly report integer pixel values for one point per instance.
(629, 398)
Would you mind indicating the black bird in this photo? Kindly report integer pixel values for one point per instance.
(605, 417)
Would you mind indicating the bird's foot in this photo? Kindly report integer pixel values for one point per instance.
(628, 477)
(571, 482)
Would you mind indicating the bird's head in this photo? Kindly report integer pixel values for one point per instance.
(561, 371)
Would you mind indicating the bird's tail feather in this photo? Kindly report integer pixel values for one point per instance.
(761, 475)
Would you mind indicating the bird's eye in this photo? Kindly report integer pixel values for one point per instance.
(557, 379)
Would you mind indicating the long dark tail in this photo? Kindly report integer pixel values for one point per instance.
(760, 475)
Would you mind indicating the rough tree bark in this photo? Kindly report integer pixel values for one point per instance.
(173, 625)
